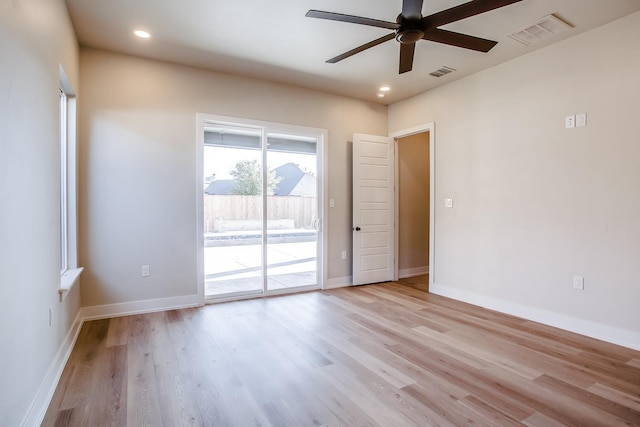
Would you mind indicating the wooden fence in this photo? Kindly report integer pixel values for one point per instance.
(300, 210)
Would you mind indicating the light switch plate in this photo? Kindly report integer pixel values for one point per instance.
(578, 282)
(570, 122)
(581, 119)
(448, 203)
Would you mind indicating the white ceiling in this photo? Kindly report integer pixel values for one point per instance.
(273, 40)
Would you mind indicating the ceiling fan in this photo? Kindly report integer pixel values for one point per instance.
(411, 26)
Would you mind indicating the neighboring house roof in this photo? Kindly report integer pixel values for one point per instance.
(221, 186)
(293, 182)
(305, 187)
(290, 175)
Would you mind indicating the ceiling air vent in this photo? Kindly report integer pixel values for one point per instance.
(441, 72)
(544, 28)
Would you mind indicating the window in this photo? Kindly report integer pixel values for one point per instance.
(69, 271)
(64, 243)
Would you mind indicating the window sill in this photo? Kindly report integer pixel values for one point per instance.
(68, 281)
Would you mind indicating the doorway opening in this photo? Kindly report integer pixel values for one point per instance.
(413, 200)
(261, 208)
(416, 209)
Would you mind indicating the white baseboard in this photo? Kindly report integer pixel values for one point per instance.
(411, 272)
(39, 406)
(40, 403)
(139, 307)
(339, 282)
(599, 331)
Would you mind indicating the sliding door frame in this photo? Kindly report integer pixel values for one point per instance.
(321, 136)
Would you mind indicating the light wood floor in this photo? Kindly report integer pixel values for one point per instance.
(381, 355)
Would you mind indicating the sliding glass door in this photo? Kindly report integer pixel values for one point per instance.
(292, 212)
(261, 221)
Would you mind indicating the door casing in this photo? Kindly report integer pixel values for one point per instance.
(430, 128)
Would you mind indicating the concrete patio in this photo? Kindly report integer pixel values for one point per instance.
(237, 269)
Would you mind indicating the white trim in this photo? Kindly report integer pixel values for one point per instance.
(588, 328)
(272, 293)
(323, 198)
(339, 282)
(64, 173)
(321, 137)
(431, 128)
(72, 183)
(396, 207)
(199, 229)
(412, 272)
(139, 307)
(40, 404)
(432, 201)
(68, 280)
(428, 127)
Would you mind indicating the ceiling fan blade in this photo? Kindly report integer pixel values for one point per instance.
(463, 11)
(457, 39)
(352, 19)
(361, 48)
(406, 57)
(412, 9)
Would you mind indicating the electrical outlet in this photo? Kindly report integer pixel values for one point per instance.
(344, 254)
(578, 282)
(448, 203)
(145, 271)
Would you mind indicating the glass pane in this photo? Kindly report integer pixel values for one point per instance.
(291, 212)
(232, 211)
(63, 183)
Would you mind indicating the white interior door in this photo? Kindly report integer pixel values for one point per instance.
(373, 209)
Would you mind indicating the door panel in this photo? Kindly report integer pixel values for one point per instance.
(374, 263)
(373, 209)
(292, 212)
(232, 212)
(261, 210)
(374, 240)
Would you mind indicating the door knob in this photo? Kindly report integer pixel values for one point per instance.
(356, 228)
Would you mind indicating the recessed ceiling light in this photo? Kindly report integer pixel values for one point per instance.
(142, 34)
(380, 95)
(385, 88)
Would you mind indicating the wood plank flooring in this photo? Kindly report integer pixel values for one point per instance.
(377, 355)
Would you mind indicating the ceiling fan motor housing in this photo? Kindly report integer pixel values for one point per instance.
(411, 26)
(410, 30)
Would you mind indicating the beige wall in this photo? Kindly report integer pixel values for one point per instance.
(138, 166)
(535, 203)
(413, 203)
(35, 38)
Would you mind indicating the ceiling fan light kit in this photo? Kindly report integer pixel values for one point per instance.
(411, 27)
